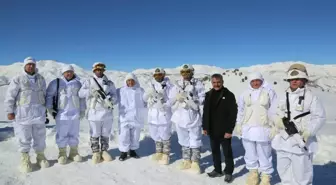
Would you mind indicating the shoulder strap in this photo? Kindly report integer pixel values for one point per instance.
(57, 89)
(288, 106)
(98, 85)
(301, 115)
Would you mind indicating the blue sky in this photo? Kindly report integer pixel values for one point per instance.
(130, 34)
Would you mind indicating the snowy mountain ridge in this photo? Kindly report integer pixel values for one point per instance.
(322, 76)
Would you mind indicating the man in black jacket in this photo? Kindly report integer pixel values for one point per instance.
(219, 118)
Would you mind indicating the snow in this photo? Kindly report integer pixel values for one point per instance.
(144, 170)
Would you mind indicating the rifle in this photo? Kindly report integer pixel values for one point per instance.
(188, 96)
(105, 97)
(290, 126)
(157, 96)
(55, 99)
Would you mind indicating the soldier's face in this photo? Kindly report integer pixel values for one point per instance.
(130, 82)
(30, 68)
(99, 73)
(186, 74)
(216, 83)
(296, 83)
(68, 75)
(159, 77)
(255, 84)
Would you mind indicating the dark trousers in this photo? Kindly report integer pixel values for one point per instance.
(216, 154)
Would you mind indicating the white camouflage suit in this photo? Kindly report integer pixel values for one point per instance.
(256, 110)
(70, 109)
(99, 114)
(187, 116)
(295, 153)
(159, 114)
(132, 112)
(26, 99)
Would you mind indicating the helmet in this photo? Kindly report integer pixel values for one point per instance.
(187, 70)
(159, 74)
(98, 65)
(297, 71)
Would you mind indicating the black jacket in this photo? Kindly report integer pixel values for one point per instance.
(225, 113)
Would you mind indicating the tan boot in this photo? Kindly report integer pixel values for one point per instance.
(253, 178)
(106, 156)
(96, 157)
(157, 156)
(185, 164)
(265, 179)
(41, 160)
(25, 165)
(195, 167)
(164, 159)
(62, 158)
(74, 155)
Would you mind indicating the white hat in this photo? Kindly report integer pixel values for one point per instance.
(297, 71)
(159, 71)
(67, 68)
(29, 60)
(255, 76)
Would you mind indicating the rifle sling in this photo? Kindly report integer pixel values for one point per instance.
(100, 88)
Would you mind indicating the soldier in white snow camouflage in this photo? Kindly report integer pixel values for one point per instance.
(159, 114)
(300, 117)
(188, 95)
(100, 94)
(25, 105)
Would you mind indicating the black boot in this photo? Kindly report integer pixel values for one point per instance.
(214, 174)
(228, 178)
(133, 154)
(123, 156)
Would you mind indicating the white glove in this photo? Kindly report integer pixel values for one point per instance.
(274, 131)
(238, 129)
(278, 122)
(51, 111)
(95, 93)
(108, 103)
(180, 97)
(82, 115)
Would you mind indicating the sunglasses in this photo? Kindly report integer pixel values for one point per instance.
(185, 72)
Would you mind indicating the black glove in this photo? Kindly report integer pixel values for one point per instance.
(47, 121)
(290, 126)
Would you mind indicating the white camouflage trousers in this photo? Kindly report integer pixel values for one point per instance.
(100, 132)
(258, 156)
(295, 169)
(67, 133)
(28, 135)
(160, 132)
(129, 138)
(189, 137)
(161, 135)
(191, 141)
